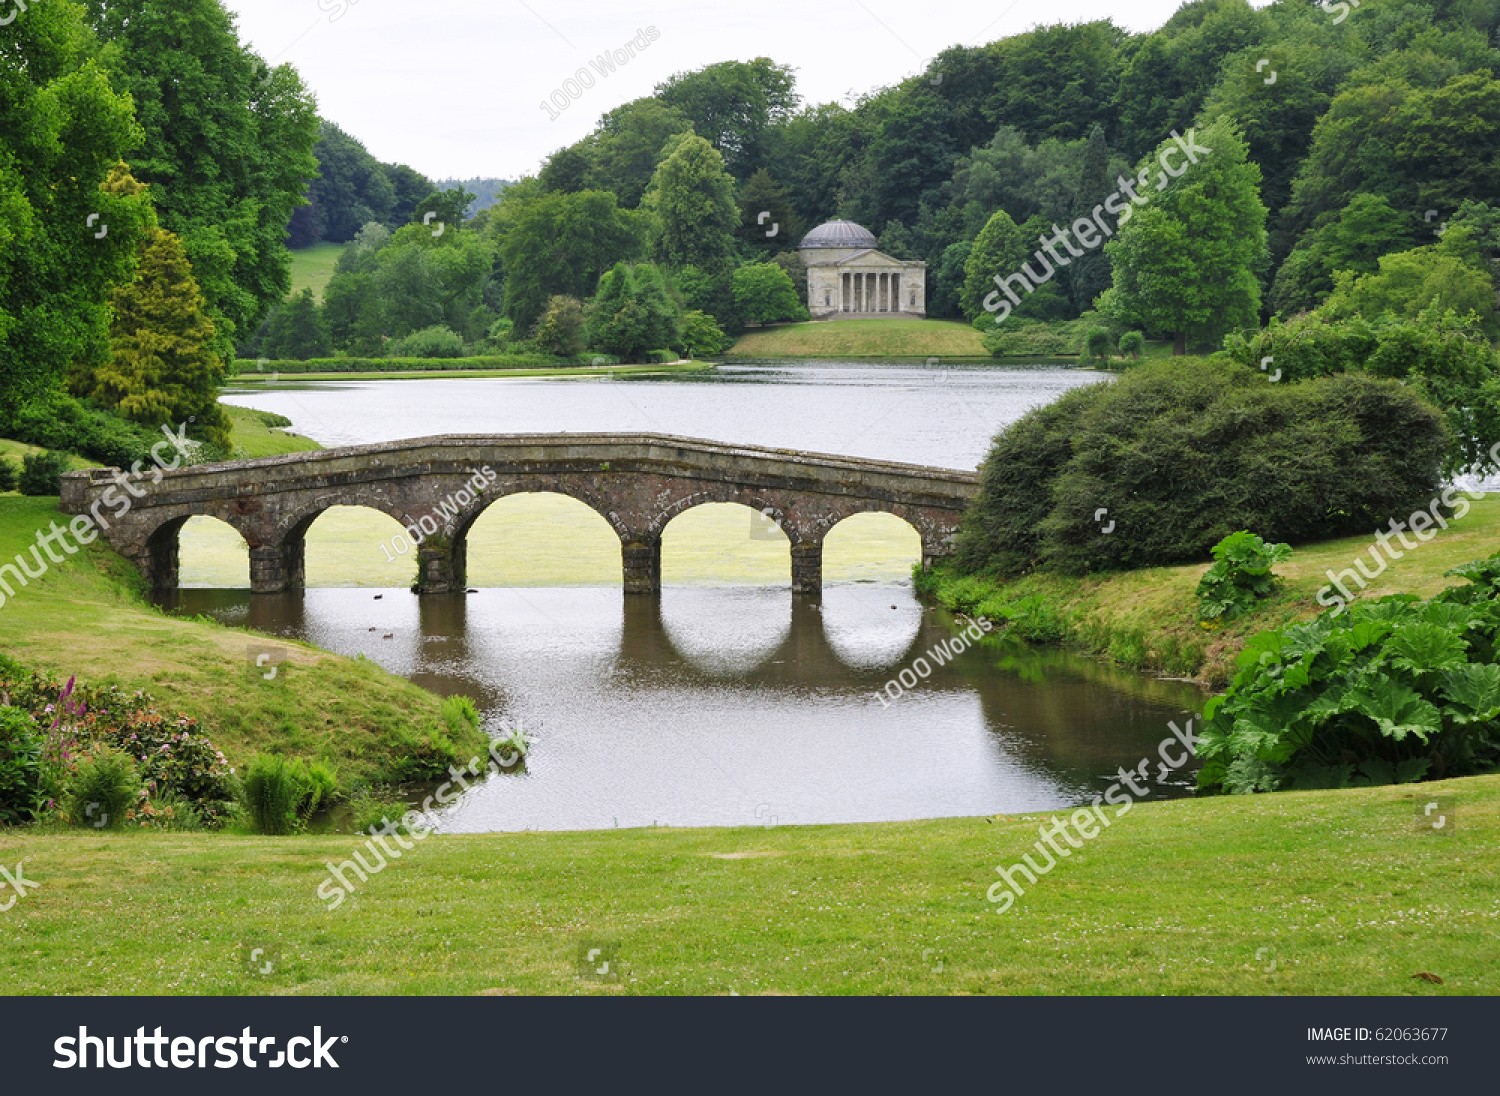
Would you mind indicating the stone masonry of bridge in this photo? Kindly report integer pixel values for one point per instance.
(636, 482)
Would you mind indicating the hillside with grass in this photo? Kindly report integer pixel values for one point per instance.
(89, 617)
(877, 338)
(312, 268)
(1147, 619)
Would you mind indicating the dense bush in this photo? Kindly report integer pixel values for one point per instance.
(1183, 453)
(1240, 576)
(21, 767)
(172, 755)
(430, 342)
(281, 794)
(104, 790)
(1443, 358)
(1096, 343)
(1018, 338)
(41, 473)
(1385, 692)
(8, 474)
(701, 336)
(61, 422)
(1133, 344)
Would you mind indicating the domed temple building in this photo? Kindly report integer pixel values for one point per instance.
(848, 276)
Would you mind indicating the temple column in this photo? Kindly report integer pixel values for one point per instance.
(895, 292)
(843, 292)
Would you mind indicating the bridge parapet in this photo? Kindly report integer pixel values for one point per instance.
(637, 482)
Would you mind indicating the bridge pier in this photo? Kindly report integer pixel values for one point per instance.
(641, 563)
(807, 567)
(442, 568)
(275, 568)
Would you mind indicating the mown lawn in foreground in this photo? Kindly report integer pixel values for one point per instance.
(1336, 889)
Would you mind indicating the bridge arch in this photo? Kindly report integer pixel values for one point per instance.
(748, 546)
(866, 545)
(636, 482)
(557, 525)
(158, 547)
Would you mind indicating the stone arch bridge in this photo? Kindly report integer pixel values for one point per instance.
(636, 482)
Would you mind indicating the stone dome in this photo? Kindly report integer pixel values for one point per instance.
(839, 234)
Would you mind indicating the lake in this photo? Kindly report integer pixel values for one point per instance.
(725, 700)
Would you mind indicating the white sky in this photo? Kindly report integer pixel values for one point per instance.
(454, 87)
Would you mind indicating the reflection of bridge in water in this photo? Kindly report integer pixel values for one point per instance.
(1070, 718)
(638, 483)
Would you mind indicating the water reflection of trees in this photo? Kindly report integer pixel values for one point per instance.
(1071, 718)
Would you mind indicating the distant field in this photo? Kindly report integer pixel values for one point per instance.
(312, 267)
(889, 338)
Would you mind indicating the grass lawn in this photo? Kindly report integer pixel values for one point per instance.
(86, 616)
(16, 450)
(1295, 893)
(888, 338)
(312, 268)
(249, 432)
(1147, 619)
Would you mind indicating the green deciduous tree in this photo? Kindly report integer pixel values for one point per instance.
(764, 208)
(732, 104)
(228, 148)
(765, 294)
(633, 313)
(71, 216)
(562, 244)
(1187, 263)
(692, 199)
(296, 332)
(560, 329)
(1447, 275)
(1367, 228)
(998, 252)
(701, 336)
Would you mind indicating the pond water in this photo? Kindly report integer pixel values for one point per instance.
(727, 700)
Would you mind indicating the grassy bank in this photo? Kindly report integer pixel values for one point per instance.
(88, 616)
(458, 374)
(251, 433)
(1147, 619)
(888, 338)
(1296, 893)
